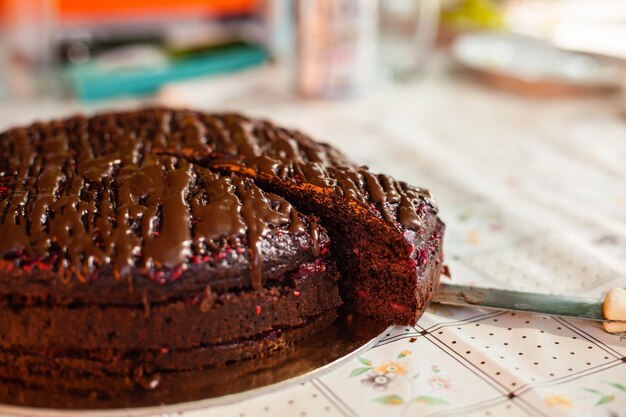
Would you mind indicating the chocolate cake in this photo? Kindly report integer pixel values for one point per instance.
(138, 243)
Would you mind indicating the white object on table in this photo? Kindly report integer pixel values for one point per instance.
(531, 59)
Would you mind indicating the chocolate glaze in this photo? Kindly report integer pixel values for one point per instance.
(125, 191)
(130, 190)
(395, 202)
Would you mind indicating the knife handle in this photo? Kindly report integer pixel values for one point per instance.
(614, 308)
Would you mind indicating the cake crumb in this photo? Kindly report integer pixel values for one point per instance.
(445, 271)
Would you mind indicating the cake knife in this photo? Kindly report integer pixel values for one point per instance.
(610, 311)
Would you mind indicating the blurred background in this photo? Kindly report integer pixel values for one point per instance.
(512, 112)
(210, 52)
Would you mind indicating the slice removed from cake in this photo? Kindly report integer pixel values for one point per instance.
(385, 235)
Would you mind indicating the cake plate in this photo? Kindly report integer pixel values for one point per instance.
(349, 336)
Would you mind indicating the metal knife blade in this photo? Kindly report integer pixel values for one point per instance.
(491, 298)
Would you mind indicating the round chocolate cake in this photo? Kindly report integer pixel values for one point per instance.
(159, 240)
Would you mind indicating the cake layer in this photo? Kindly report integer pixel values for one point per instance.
(226, 269)
(190, 321)
(103, 363)
(60, 383)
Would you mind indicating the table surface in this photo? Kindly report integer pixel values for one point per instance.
(533, 192)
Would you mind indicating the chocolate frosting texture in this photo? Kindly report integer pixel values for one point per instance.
(148, 191)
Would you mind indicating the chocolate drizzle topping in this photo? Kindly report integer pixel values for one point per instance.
(257, 214)
(145, 192)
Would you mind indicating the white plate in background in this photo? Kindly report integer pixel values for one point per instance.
(531, 60)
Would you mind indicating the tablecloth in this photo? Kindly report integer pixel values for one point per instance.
(533, 193)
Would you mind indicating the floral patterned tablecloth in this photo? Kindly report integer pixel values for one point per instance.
(533, 193)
